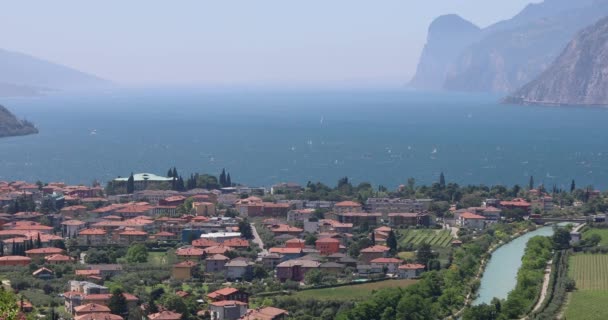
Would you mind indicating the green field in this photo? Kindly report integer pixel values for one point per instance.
(436, 238)
(590, 272)
(601, 232)
(353, 292)
(157, 258)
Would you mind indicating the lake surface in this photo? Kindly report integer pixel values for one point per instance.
(263, 137)
(500, 275)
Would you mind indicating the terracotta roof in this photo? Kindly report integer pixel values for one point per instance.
(218, 257)
(93, 272)
(107, 296)
(92, 307)
(266, 313)
(58, 257)
(72, 223)
(92, 232)
(98, 316)
(165, 315)
(49, 250)
(224, 303)
(347, 204)
(237, 242)
(41, 270)
(133, 233)
(219, 249)
(165, 234)
(468, 215)
(204, 243)
(327, 240)
(185, 264)
(285, 250)
(189, 252)
(222, 292)
(286, 228)
(386, 260)
(376, 248)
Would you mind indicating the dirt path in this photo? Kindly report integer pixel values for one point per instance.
(258, 240)
(543, 291)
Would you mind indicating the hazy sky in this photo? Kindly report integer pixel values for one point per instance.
(223, 42)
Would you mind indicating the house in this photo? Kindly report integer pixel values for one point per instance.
(237, 243)
(299, 215)
(98, 316)
(219, 249)
(270, 261)
(228, 294)
(295, 243)
(237, 268)
(295, 270)
(410, 271)
(359, 218)
(368, 254)
(43, 252)
(43, 273)
(347, 206)
(143, 181)
(397, 205)
(165, 315)
(90, 308)
(227, 310)
(331, 267)
(405, 220)
(517, 203)
(204, 243)
(71, 228)
(104, 299)
(130, 236)
(92, 237)
(58, 259)
(15, 261)
(283, 229)
(368, 271)
(327, 246)
(216, 263)
(221, 237)
(204, 208)
(287, 253)
(266, 313)
(471, 220)
(285, 187)
(190, 253)
(184, 270)
(391, 265)
(165, 236)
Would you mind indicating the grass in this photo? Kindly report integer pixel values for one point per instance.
(157, 258)
(590, 272)
(436, 238)
(405, 255)
(601, 232)
(352, 292)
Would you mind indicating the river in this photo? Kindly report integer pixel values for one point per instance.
(500, 275)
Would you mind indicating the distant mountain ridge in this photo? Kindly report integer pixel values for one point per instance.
(579, 76)
(508, 54)
(11, 126)
(23, 74)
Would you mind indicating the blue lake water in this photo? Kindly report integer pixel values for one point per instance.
(267, 137)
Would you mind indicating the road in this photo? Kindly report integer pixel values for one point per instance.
(258, 240)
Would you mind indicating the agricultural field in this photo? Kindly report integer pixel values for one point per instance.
(601, 232)
(352, 292)
(590, 272)
(436, 238)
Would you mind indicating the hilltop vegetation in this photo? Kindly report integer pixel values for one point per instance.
(11, 126)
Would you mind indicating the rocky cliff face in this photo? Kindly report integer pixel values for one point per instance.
(579, 76)
(11, 126)
(447, 36)
(511, 53)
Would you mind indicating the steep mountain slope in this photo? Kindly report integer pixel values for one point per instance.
(506, 55)
(11, 126)
(579, 76)
(447, 36)
(19, 69)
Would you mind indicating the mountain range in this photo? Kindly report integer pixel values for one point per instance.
(24, 75)
(503, 57)
(579, 76)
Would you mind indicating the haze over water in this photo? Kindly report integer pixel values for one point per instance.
(266, 137)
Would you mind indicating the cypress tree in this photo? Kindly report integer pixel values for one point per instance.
(442, 180)
(223, 178)
(391, 241)
(14, 249)
(170, 173)
(1, 249)
(373, 238)
(228, 181)
(531, 183)
(572, 186)
(131, 184)
(174, 175)
(38, 241)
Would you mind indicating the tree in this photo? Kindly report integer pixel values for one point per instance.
(223, 178)
(118, 303)
(137, 253)
(531, 183)
(572, 186)
(442, 181)
(561, 239)
(424, 254)
(131, 184)
(228, 180)
(391, 242)
(313, 277)
(245, 229)
(373, 237)
(38, 241)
